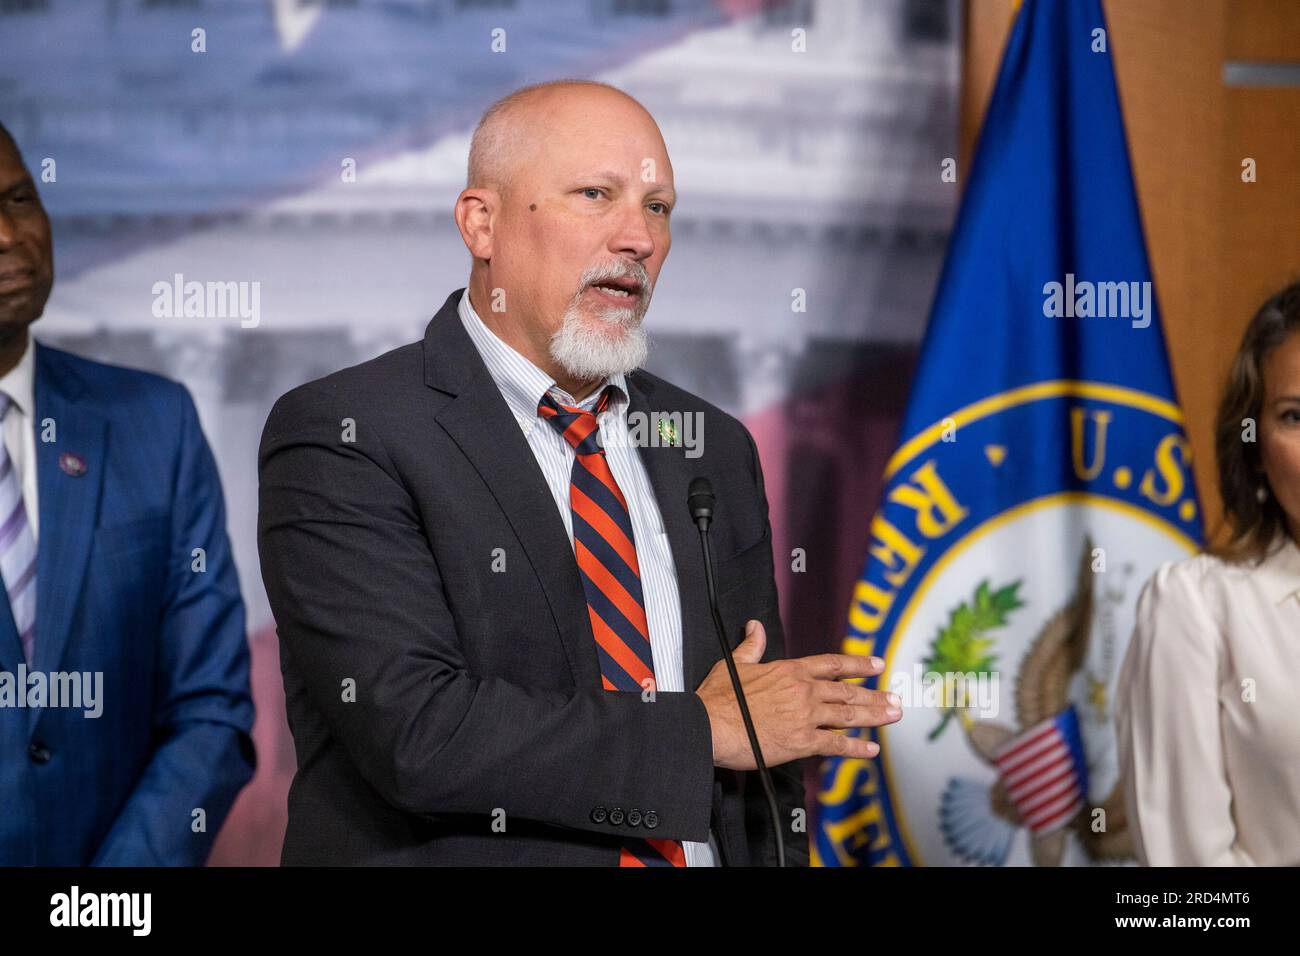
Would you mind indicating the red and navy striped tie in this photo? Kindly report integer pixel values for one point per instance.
(611, 577)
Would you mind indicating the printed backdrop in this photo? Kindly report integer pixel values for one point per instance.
(807, 140)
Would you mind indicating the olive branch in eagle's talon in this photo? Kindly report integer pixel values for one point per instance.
(962, 647)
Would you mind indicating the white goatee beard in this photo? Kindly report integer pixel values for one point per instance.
(589, 351)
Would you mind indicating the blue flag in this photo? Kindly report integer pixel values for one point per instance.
(1042, 475)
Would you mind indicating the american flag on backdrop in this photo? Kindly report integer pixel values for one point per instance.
(210, 139)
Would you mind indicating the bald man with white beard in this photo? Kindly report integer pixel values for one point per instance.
(496, 639)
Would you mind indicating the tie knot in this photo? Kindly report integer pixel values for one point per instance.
(576, 426)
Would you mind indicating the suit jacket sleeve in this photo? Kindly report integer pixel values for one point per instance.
(788, 778)
(358, 601)
(203, 708)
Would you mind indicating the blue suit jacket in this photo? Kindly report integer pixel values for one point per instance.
(117, 594)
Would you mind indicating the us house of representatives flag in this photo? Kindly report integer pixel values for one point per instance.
(1042, 476)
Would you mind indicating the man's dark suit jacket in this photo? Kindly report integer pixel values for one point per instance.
(447, 711)
(127, 489)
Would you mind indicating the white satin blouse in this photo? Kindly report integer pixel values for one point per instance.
(1208, 714)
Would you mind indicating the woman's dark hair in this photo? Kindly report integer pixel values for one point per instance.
(1255, 524)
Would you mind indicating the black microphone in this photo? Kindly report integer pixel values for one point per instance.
(700, 499)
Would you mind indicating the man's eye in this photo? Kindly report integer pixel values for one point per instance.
(594, 189)
(1291, 415)
(662, 206)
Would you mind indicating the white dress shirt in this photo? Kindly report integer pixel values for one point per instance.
(19, 433)
(523, 384)
(1207, 718)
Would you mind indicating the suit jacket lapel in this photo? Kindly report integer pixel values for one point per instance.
(11, 648)
(485, 429)
(670, 474)
(68, 501)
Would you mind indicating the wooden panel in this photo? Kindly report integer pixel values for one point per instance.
(1259, 252)
(986, 26)
(1263, 30)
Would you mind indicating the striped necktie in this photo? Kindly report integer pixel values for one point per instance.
(611, 578)
(17, 547)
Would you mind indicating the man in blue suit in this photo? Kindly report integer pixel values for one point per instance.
(125, 711)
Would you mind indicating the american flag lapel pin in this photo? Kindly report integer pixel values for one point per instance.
(72, 464)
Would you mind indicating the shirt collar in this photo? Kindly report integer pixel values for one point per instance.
(18, 382)
(522, 383)
(1280, 570)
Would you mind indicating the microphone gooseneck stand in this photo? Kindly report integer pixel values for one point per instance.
(700, 500)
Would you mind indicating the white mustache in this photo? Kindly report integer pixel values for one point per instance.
(598, 274)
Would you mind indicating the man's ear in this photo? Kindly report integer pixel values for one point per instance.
(475, 212)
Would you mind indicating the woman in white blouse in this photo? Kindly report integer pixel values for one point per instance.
(1208, 704)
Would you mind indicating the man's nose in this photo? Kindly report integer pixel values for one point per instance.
(633, 237)
(8, 232)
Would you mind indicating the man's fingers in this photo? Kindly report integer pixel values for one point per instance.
(831, 744)
(750, 650)
(839, 692)
(874, 714)
(838, 666)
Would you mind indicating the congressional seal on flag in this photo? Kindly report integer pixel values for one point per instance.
(1043, 475)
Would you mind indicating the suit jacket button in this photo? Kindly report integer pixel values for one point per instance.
(651, 819)
(39, 753)
(634, 818)
(616, 816)
(599, 814)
